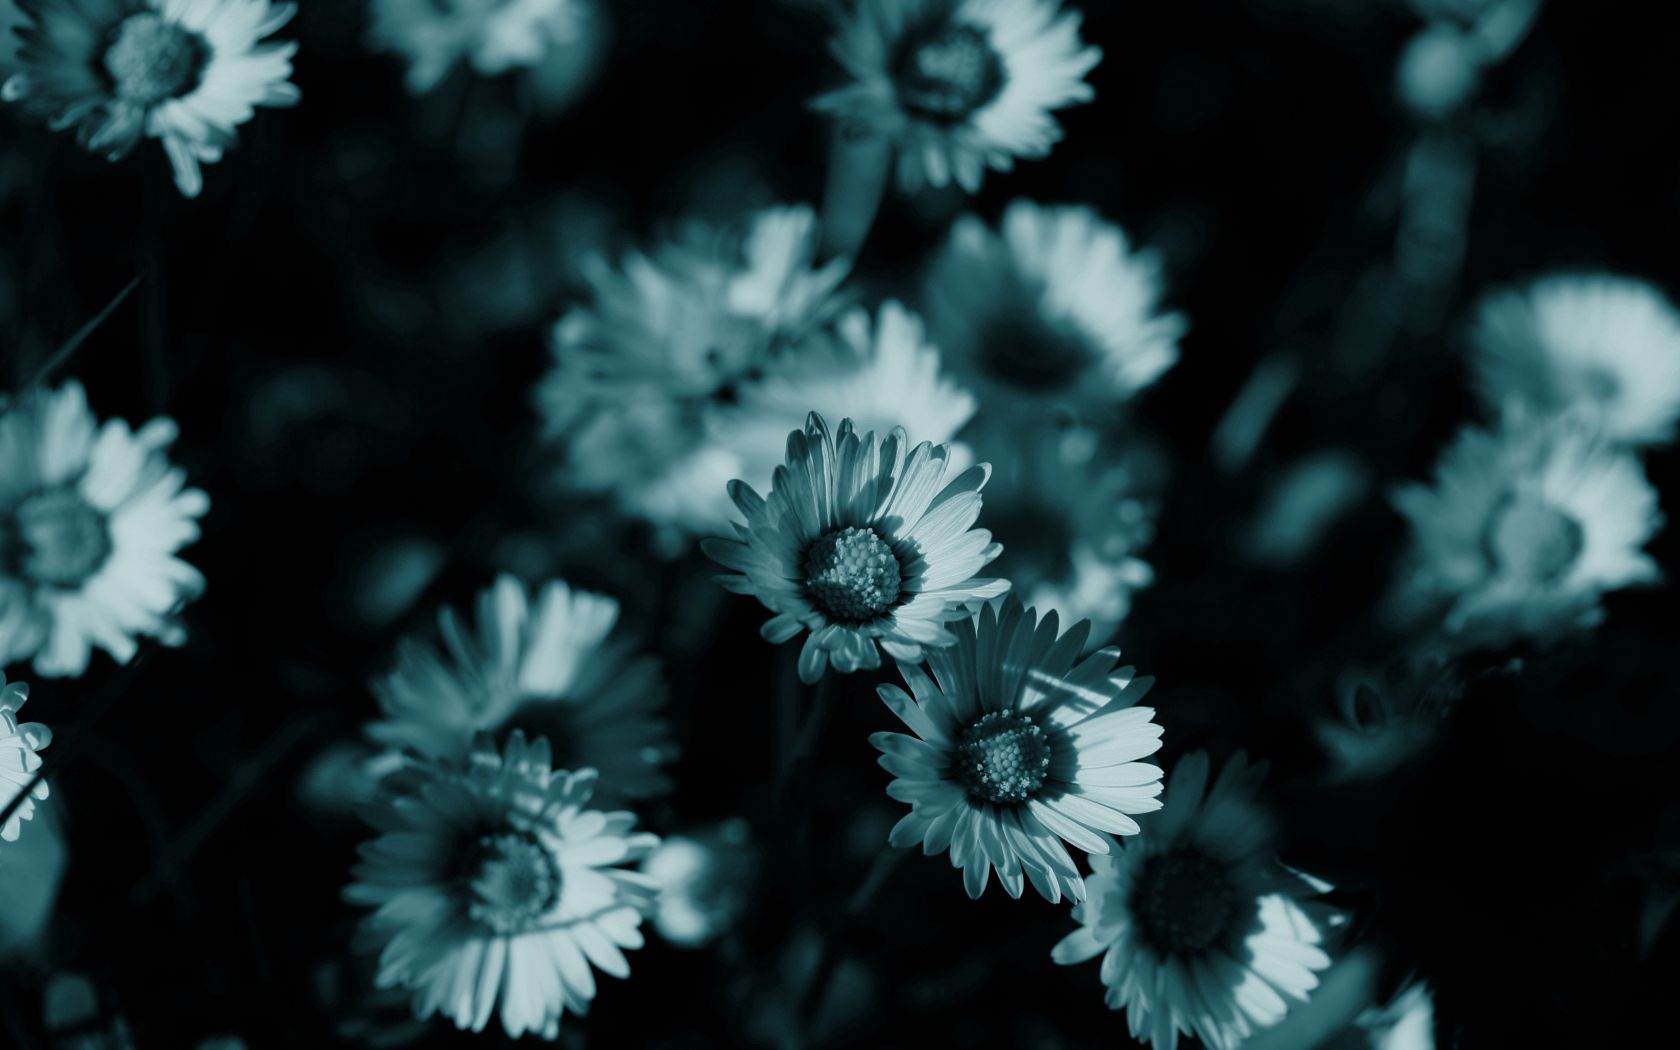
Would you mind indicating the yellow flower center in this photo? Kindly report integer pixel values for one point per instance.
(1184, 902)
(57, 539)
(514, 881)
(1532, 539)
(152, 59)
(852, 576)
(1003, 758)
(945, 74)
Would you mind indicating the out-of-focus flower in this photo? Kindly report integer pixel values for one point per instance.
(1603, 345)
(1523, 529)
(496, 888)
(1201, 930)
(705, 881)
(550, 665)
(90, 519)
(493, 36)
(1382, 719)
(861, 543)
(880, 376)
(1438, 70)
(19, 761)
(959, 86)
(1405, 1023)
(1308, 499)
(665, 338)
(78, 1017)
(1019, 744)
(185, 72)
(1058, 309)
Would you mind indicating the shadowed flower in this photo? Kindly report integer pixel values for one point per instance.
(493, 36)
(959, 86)
(1019, 744)
(1607, 347)
(19, 761)
(861, 544)
(1056, 310)
(706, 881)
(495, 887)
(185, 72)
(551, 666)
(90, 519)
(1200, 929)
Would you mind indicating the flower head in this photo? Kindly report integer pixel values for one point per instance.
(90, 519)
(185, 72)
(493, 36)
(1057, 309)
(19, 761)
(1201, 930)
(1020, 742)
(1605, 346)
(959, 86)
(861, 544)
(495, 886)
(550, 664)
(706, 881)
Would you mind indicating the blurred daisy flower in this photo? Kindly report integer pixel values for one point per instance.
(1056, 309)
(19, 761)
(90, 519)
(550, 664)
(1524, 528)
(861, 544)
(959, 86)
(881, 375)
(706, 880)
(185, 72)
(1604, 345)
(664, 338)
(493, 36)
(1201, 930)
(496, 888)
(1020, 743)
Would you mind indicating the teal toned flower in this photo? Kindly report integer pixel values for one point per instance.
(1056, 308)
(91, 518)
(493, 36)
(861, 544)
(1199, 927)
(185, 72)
(1020, 742)
(959, 86)
(706, 881)
(496, 888)
(550, 664)
(19, 760)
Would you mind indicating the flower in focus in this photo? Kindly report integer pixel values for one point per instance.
(19, 761)
(549, 664)
(1603, 345)
(496, 887)
(1019, 744)
(705, 882)
(185, 72)
(1524, 528)
(959, 86)
(90, 519)
(861, 544)
(1056, 309)
(493, 36)
(1200, 929)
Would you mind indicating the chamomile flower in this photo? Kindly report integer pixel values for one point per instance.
(1056, 308)
(1020, 742)
(496, 887)
(1604, 345)
(1200, 929)
(1524, 528)
(19, 760)
(862, 544)
(551, 664)
(185, 72)
(493, 36)
(959, 86)
(91, 518)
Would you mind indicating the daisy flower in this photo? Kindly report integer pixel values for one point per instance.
(861, 544)
(1200, 929)
(90, 519)
(495, 886)
(550, 664)
(493, 36)
(1524, 528)
(19, 761)
(1020, 743)
(185, 72)
(706, 882)
(1057, 308)
(1608, 346)
(959, 86)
